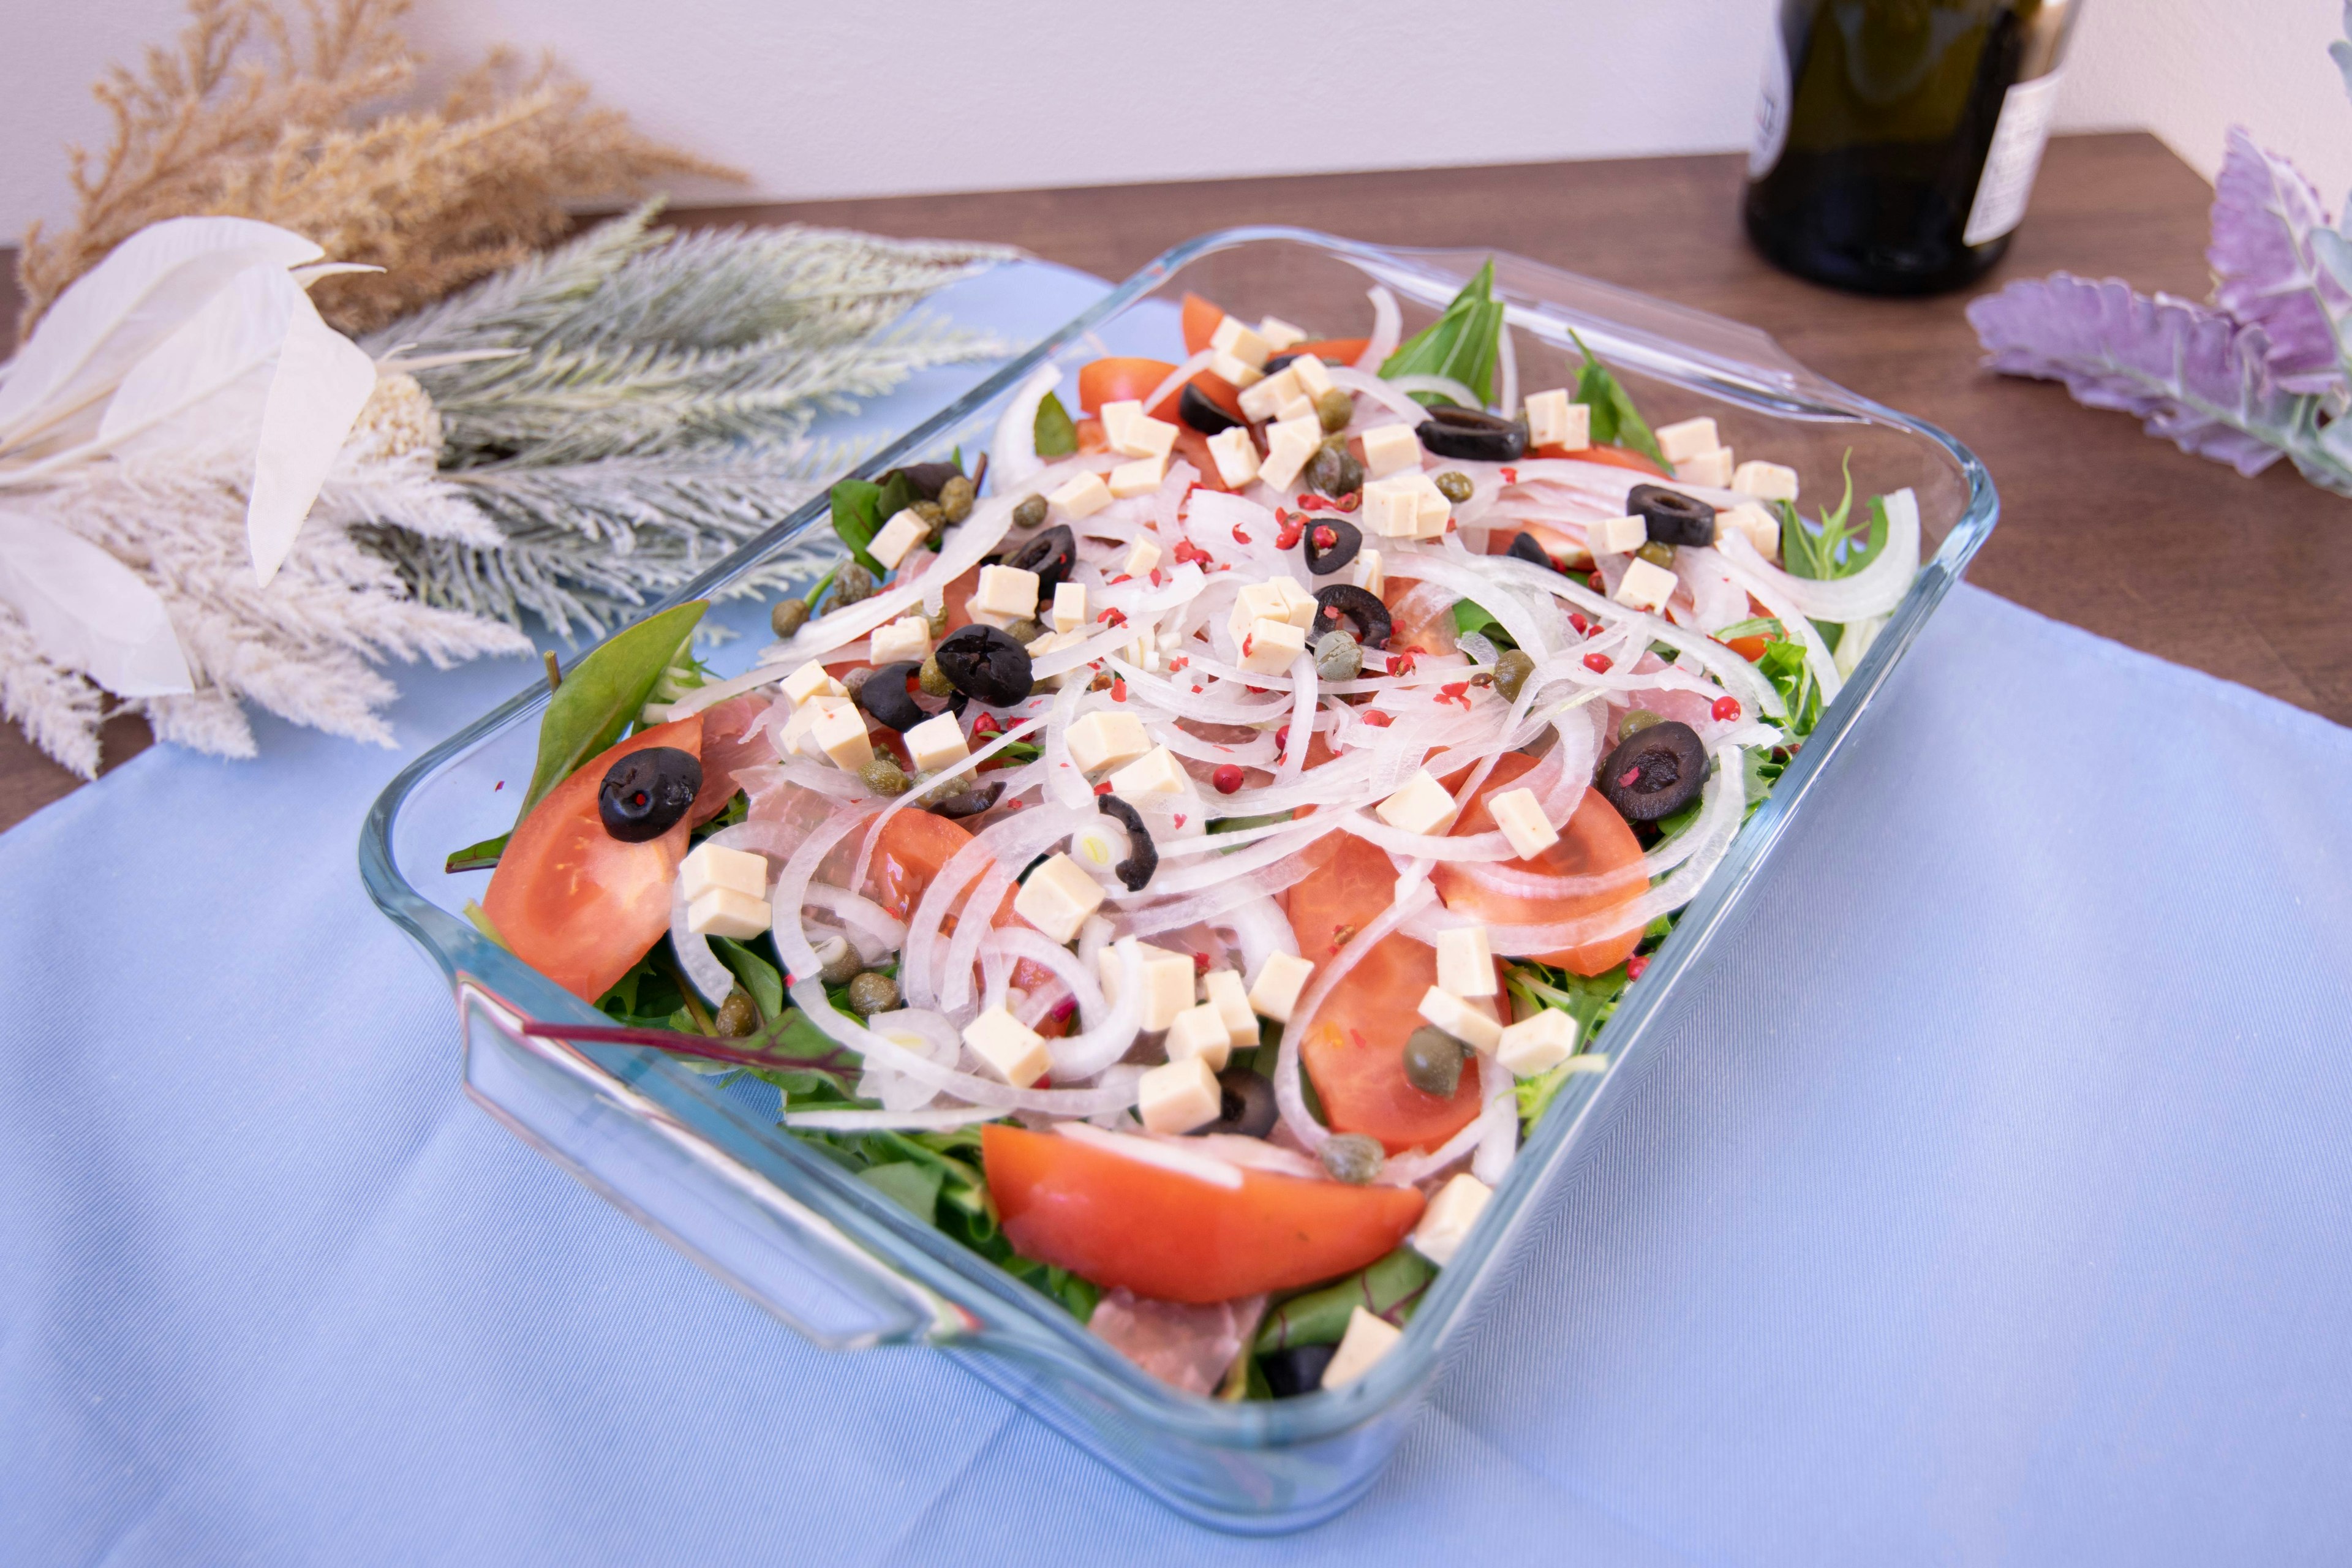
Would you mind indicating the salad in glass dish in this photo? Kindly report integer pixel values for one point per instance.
(1180, 853)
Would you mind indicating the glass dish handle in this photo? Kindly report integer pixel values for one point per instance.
(735, 1222)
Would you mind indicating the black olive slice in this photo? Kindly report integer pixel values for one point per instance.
(971, 803)
(645, 793)
(1295, 1370)
(1142, 854)
(1050, 554)
(1343, 607)
(1195, 409)
(1322, 560)
(1654, 772)
(1246, 1106)
(927, 477)
(1473, 434)
(1525, 548)
(1672, 517)
(985, 665)
(885, 696)
(1276, 363)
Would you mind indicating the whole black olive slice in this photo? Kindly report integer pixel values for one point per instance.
(1654, 772)
(1473, 434)
(1345, 607)
(1050, 554)
(1142, 854)
(927, 477)
(1525, 548)
(1322, 560)
(1672, 517)
(1295, 1370)
(885, 696)
(986, 666)
(971, 803)
(645, 793)
(1276, 363)
(1245, 1105)
(1196, 410)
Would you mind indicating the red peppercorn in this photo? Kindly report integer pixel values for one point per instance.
(1292, 527)
(1598, 663)
(1103, 788)
(1510, 476)
(1375, 718)
(1580, 623)
(1119, 689)
(1281, 739)
(1227, 778)
(1725, 709)
(1634, 966)
(1239, 537)
(1592, 581)
(1325, 539)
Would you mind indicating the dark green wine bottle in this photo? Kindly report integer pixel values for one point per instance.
(1897, 140)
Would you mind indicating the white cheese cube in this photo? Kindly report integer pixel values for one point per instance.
(1084, 496)
(1236, 373)
(1761, 527)
(1276, 599)
(1646, 585)
(1146, 437)
(1391, 508)
(1368, 1339)
(724, 911)
(1365, 573)
(1707, 468)
(905, 531)
(1616, 535)
(1106, 739)
(1222, 990)
(1234, 337)
(1143, 555)
(1281, 979)
(1299, 407)
(1139, 478)
(1278, 334)
(1539, 1044)
(1288, 446)
(1200, 1034)
(1521, 817)
(1462, 1019)
(1054, 642)
(739, 870)
(1057, 897)
(1554, 421)
(811, 681)
(908, 637)
(1687, 438)
(794, 741)
(1115, 417)
(937, 743)
(1005, 591)
(1390, 449)
(1235, 456)
(1260, 401)
(1167, 980)
(1013, 1050)
(840, 734)
(1433, 508)
(1157, 772)
(1767, 481)
(1069, 606)
(1446, 1222)
(1314, 377)
(1179, 1097)
(1465, 965)
(1420, 806)
(1271, 647)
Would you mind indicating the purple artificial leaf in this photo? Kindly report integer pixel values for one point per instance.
(2190, 373)
(2263, 212)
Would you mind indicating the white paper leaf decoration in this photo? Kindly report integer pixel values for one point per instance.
(321, 382)
(88, 611)
(206, 384)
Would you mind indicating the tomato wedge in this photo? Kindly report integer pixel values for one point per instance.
(572, 901)
(913, 847)
(1119, 381)
(1332, 350)
(1615, 456)
(1174, 1237)
(1201, 319)
(1596, 840)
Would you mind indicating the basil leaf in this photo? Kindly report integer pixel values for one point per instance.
(480, 857)
(856, 517)
(1056, 435)
(602, 695)
(1464, 343)
(1616, 421)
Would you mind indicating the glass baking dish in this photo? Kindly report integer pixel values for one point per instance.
(706, 1166)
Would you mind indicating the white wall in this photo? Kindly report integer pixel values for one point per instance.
(827, 98)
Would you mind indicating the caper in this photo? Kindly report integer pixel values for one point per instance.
(1030, 512)
(1025, 630)
(883, 776)
(871, 992)
(955, 499)
(789, 616)
(1354, 1158)
(936, 620)
(1338, 656)
(933, 679)
(1433, 1061)
(738, 1015)
(1333, 471)
(1456, 486)
(1335, 408)
(851, 584)
(1637, 719)
(1658, 554)
(1511, 672)
(930, 511)
(837, 962)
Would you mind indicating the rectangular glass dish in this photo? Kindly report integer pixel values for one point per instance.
(706, 1168)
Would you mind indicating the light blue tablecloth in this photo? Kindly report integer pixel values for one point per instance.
(1991, 1205)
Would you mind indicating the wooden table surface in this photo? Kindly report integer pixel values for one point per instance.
(2101, 525)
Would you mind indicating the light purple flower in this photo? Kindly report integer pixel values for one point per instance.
(2263, 212)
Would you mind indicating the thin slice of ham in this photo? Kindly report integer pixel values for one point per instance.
(1186, 1347)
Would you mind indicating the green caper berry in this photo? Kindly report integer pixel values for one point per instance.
(1354, 1158)
(1454, 486)
(839, 961)
(1658, 554)
(789, 616)
(936, 620)
(1334, 409)
(956, 499)
(1433, 1061)
(1334, 472)
(930, 511)
(737, 1016)
(933, 679)
(872, 993)
(1637, 719)
(1025, 630)
(1338, 656)
(1030, 514)
(1511, 672)
(851, 584)
(884, 776)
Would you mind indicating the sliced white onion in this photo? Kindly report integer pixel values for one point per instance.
(1388, 329)
(810, 997)
(1507, 360)
(1172, 1157)
(1875, 590)
(939, 1119)
(696, 959)
(1013, 455)
(791, 890)
(869, 925)
(1176, 378)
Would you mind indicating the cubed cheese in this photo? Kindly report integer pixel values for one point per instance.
(1420, 806)
(724, 911)
(1521, 817)
(811, 681)
(1433, 508)
(1235, 456)
(1554, 421)
(712, 866)
(1275, 599)
(1106, 739)
(1462, 1019)
(1167, 980)
(1147, 437)
(1179, 1097)
(794, 741)
(1278, 334)
(1539, 1044)
(1013, 1050)
(1199, 1032)
(1365, 573)
(1084, 496)
(1446, 1222)
(840, 734)
(1760, 528)
(1057, 897)
(1115, 417)
(1236, 338)
(1069, 606)
(1298, 408)
(1390, 449)
(1222, 990)
(1139, 478)
(1143, 554)
(905, 531)
(1157, 772)
(1616, 535)
(1687, 438)
(907, 638)
(1271, 647)
(1054, 642)
(1288, 446)
(1367, 1340)
(1766, 481)
(1707, 468)
(1646, 585)
(1314, 377)
(1006, 591)
(1236, 373)
(1259, 402)
(1280, 981)
(1465, 965)
(937, 743)
(1391, 506)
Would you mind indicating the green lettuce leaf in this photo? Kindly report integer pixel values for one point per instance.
(603, 694)
(1056, 436)
(1616, 421)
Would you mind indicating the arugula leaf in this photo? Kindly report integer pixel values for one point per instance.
(856, 517)
(1056, 435)
(1389, 1289)
(1464, 343)
(603, 694)
(1470, 616)
(1616, 421)
(480, 857)
(1784, 666)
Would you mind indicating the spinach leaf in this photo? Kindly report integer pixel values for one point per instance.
(1022, 751)
(1616, 421)
(1464, 343)
(856, 519)
(480, 857)
(758, 976)
(603, 693)
(1389, 1289)
(914, 1186)
(1056, 435)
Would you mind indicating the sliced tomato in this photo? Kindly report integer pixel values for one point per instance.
(1174, 1237)
(1750, 648)
(1119, 381)
(572, 901)
(1332, 350)
(1596, 841)
(1615, 456)
(1193, 447)
(1091, 439)
(913, 847)
(1201, 319)
(1556, 544)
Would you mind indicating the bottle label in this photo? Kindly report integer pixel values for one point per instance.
(1771, 135)
(2018, 138)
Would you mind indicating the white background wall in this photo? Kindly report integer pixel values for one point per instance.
(817, 98)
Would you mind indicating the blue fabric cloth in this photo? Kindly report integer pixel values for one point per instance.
(1989, 1206)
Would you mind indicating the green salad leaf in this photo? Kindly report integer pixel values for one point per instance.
(1470, 616)
(480, 857)
(1389, 1289)
(1464, 343)
(603, 694)
(759, 978)
(1616, 421)
(1057, 437)
(857, 517)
